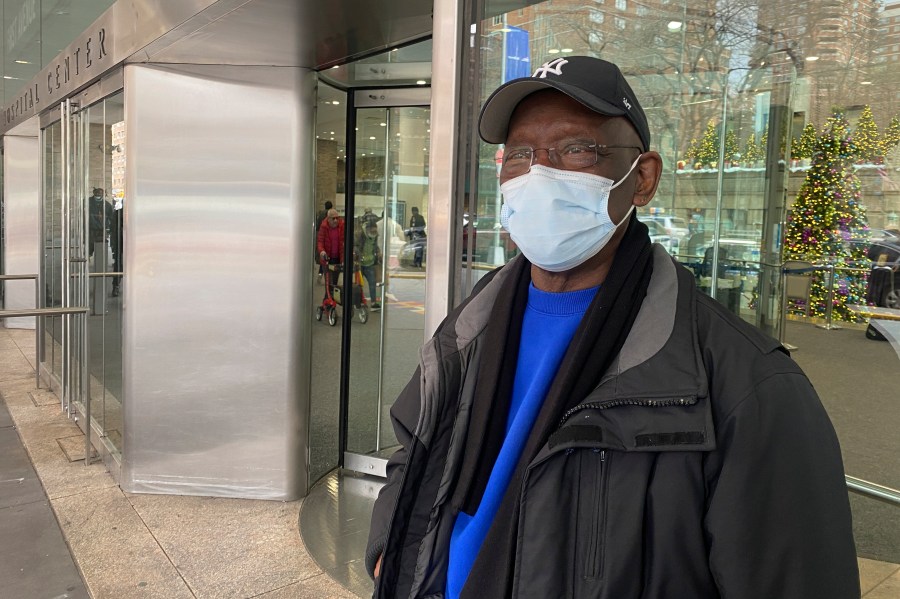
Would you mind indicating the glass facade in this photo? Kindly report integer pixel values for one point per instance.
(35, 31)
(779, 128)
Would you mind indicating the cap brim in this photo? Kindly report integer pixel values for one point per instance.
(493, 124)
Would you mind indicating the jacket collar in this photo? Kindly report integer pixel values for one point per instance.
(654, 397)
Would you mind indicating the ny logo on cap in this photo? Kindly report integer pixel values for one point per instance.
(554, 66)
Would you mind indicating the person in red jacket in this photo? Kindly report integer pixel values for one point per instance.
(330, 241)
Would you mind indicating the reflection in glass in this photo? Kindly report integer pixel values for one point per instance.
(94, 229)
(737, 96)
(391, 194)
(36, 32)
(52, 242)
(326, 340)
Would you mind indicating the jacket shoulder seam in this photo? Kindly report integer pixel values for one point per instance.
(752, 392)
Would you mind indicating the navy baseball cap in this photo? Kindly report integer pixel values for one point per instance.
(596, 83)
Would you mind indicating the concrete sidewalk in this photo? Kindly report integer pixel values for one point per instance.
(126, 545)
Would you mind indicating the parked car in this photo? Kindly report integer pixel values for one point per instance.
(674, 226)
(658, 234)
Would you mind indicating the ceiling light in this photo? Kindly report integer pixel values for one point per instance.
(336, 66)
(674, 25)
(553, 51)
(383, 124)
(421, 82)
(22, 62)
(865, 83)
(372, 138)
(331, 133)
(335, 102)
(567, 49)
(811, 58)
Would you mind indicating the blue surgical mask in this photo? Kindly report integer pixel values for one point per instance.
(559, 219)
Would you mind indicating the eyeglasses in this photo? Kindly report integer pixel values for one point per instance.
(570, 155)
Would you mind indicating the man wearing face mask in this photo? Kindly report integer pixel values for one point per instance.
(587, 423)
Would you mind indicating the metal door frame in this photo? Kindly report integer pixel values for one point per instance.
(73, 383)
(360, 98)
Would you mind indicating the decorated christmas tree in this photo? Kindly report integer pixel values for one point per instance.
(708, 148)
(752, 152)
(824, 218)
(690, 155)
(732, 151)
(803, 147)
(891, 138)
(866, 139)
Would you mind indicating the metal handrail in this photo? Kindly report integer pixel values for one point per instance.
(38, 333)
(880, 492)
(41, 312)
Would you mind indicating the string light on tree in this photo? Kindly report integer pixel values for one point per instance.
(866, 139)
(826, 216)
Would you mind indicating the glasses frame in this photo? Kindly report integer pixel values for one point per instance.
(554, 158)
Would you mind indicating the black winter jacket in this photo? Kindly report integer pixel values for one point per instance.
(702, 466)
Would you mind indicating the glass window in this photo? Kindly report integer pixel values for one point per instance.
(34, 32)
(728, 98)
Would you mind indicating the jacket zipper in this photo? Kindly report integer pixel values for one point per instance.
(613, 403)
(593, 566)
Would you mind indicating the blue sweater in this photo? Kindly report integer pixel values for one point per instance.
(547, 328)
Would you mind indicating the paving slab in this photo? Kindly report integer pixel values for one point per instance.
(44, 397)
(115, 550)
(317, 587)
(34, 559)
(6, 420)
(873, 572)
(228, 547)
(18, 482)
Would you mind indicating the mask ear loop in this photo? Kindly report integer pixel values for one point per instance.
(633, 164)
(631, 208)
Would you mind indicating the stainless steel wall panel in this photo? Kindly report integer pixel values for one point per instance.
(231, 32)
(21, 199)
(219, 262)
(268, 30)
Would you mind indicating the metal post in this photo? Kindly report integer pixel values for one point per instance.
(85, 389)
(830, 305)
(781, 327)
(720, 182)
(64, 266)
(38, 333)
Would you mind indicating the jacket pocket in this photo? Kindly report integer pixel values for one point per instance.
(591, 514)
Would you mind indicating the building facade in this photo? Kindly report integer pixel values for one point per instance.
(166, 170)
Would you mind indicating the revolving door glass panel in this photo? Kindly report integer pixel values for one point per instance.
(390, 249)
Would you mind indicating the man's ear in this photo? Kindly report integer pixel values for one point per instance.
(649, 170)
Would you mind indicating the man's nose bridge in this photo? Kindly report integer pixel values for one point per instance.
(549, 160)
